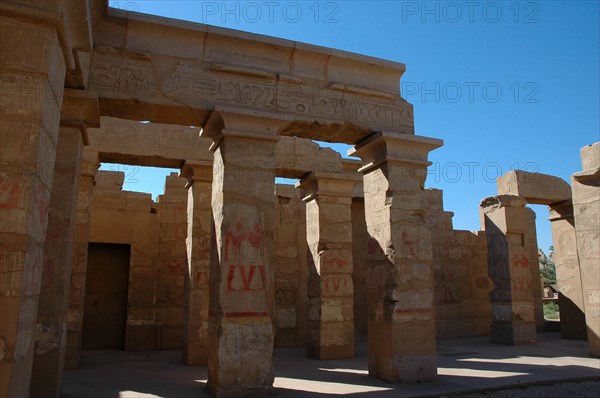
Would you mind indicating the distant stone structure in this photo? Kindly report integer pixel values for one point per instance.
(227, 264)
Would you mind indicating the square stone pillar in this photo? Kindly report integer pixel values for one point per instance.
(51, 329)
(533, 258)
(81, 233)
(586, 202)
(568, 276)
(200, 222)
(32, 74)
(400, 286)
(241, 301)
(330, 288)
(510, 231)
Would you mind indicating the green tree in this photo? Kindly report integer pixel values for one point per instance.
(547, 268)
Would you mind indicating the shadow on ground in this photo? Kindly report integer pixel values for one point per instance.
(464, 365)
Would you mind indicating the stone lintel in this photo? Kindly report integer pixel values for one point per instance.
(536, 188)
(392, 146)
(148, 144)
(196, 170)
(286, 191)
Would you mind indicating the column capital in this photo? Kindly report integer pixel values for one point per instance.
(89, 163)
(498, 201)
(331, 184)
(242, 124)
(384, 147)
(196, 170)
(561, 211)
(80, 109)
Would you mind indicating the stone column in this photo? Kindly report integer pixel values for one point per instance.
(330, 288)
(51, 329)
(195, 319)
(401, 326)
(568, 276)
(586, 202)
(32, 73)
(510, 231)
(81, 233)
(533, 258)
(241, 293)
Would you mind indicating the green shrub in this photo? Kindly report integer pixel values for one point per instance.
(551, 311)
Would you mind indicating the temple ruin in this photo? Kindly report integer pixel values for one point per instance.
(227, 264)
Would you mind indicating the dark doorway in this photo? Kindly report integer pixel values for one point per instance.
(107, 282)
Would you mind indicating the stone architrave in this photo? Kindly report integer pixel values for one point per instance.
(401, 325)
(241, 304)
(511, 240)
(199, 213)
(586, 205)
(328, 201)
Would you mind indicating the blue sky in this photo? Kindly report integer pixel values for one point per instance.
(506, 85)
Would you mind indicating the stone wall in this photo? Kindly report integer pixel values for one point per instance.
(130, 218)
(462, 284)
(291, 270)
(157, 233)
(360, 244)
(172, 212)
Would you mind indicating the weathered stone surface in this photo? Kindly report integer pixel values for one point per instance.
(112, 180)
(586, 202)
(89, 167)
(291, 271)
(512, 249)
(32, 75)
(590, 156)
(199, 224)
(296, 157)
(462, 284)
(568, 275)
(147, 144)
(172, 262)
(325, 94)
(536, 188)
(51, 336)
(399, 270)
(242, 301)
(330, 290)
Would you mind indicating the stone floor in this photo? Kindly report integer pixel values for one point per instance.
(464, 365)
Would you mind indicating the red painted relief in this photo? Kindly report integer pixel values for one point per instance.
(9, 193)
(235, 239)
(176, 267)
(411, 246)
(244, 278)
(522, 262)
